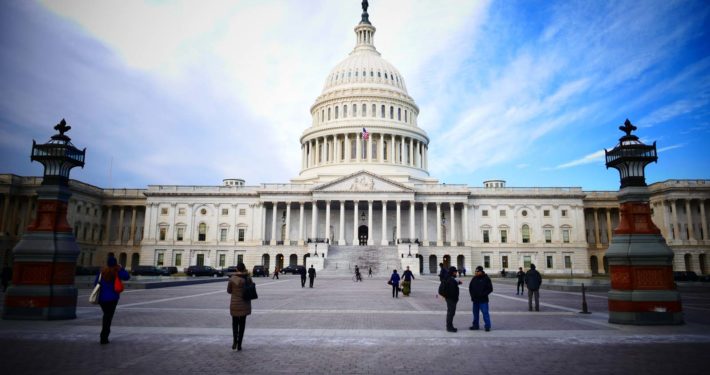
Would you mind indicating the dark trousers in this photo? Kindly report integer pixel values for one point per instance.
(520, 288)
(450, 312)
(395, 290)
(303, 281)
(109, 308)
(276, 275)
(310, 279)
(238, 326)
(534, 294)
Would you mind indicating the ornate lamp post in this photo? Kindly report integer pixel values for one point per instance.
(641, 264)
(45, 258)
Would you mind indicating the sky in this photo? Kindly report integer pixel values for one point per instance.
(167, 92)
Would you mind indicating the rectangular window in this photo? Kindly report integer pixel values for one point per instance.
(178, 260)
(565, 235)
(354, 110)
(241, 235)
(374, 110)
(163, 232)
(364, 110)
(181, 212)
(180, 233)
(527, 261)
(225, 211)
(484, 213)
(504, 236)
(382, 111)
(568, 261)
(486, 261)
(546, 213)
(223, 234)
(564, 213)
(240, 257)
(502, 213)
(242, 212)
(161, 260)
(164, 211)
(548, 235)
(486, 239)
(345, 111)
(222, 260)
(549, 261)
(504, 261)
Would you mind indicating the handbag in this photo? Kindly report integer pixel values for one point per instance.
(249, 292)
(389, 282)
(94, 296)
(118, 285)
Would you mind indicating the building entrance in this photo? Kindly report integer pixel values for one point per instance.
(362, 235)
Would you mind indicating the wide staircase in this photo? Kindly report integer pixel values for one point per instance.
(342, 260)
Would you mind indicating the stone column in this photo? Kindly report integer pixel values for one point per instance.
(358, 148)
(336, 149)
(399, 221)
(5, 209)
(453, 224)
(287, 237)
(392, 142)
(327, 221)
(703, 220)
(411, 152)
(439, 242)
(341, 231)
(597, 234)
(689, 220)
(464, 230)
(412, 236)
(132, 238)
(608, 225)
(300, 223)
(385, 241)
(273, 224)
(355, 222)
(369, 149)
(676, 230)
(314, 221)
(370, 239)
(108, 224)
(425, 230)
(381, 146)
(667, 220)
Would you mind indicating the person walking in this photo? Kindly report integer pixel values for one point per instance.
(520, 289)
(311, 275)
(276, 273)
(239, 307)
(358, 276)
(533, 280)
(407, 277)
(369, 272)
(394, 281)
(451, 295)
(302, 272)
(108, 297)
(479, 288)
(6, 277)
(443, 272)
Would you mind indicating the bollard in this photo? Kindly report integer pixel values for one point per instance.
(585, 310)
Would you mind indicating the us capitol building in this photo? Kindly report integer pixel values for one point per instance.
(363, 196)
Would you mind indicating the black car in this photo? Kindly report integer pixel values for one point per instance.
(149, 271)
(294, 270)
(171, 270)
(203, 271)
(259, 271)
(229, 271)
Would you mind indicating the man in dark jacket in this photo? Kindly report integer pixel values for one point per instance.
(443, 272)
(520, 288)
(302, 272)
(479, 289)
(452, 298)
(533, 280)
(311, 275)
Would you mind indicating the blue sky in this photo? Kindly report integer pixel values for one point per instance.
(189, 93)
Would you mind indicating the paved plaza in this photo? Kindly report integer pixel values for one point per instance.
(342, 327)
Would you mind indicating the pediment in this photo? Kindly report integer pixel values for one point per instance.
(364, 182)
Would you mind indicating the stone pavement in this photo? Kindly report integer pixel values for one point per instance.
(342, 327)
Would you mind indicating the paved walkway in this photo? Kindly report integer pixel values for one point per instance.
(341, 327)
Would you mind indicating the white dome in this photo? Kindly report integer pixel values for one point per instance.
(364, 67)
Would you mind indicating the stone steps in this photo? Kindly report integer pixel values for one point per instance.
(343, 259)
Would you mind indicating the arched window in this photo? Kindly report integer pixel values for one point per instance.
(364, 110)
(354, 110)
(372, 73)
(322, 115)
(202, 232)
(336, 112)
(385, 75)
(374, 110)
(329, 114)
(391, 113)
(382, 111)
(379, 74)
(526, 233)
(345, 111)
(399, 114)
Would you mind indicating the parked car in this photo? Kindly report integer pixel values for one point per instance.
(294, 270)
(229, 271)
(685, 276)
(171, 270)
(259, 271)
(149, 271)
(203, 271)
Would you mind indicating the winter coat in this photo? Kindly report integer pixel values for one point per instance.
(394, 279)
(408, 275)
(480, 287)
(452, 289)
(311, 273)
(235, 286)
(108, 294)
(443, 274)
(521, 276)
(302, 272)
(533, 279)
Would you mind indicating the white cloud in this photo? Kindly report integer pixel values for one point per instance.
(595, 157)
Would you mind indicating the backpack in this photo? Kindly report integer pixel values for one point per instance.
(249, 292)
(442, 289)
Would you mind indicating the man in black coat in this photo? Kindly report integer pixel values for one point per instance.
(452, 298)
(443, 272)
(311, 275)
(302, 272)
(533, 280)
(520, 289)
(479, 289)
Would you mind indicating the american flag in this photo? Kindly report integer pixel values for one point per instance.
(365, 134)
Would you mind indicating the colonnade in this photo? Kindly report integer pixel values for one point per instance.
(132, 229)
(608, 223)
(674, 228)
(378, 147)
